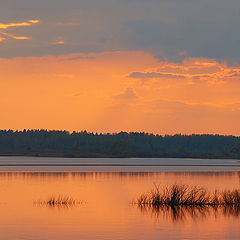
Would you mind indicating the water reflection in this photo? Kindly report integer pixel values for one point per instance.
(58, 202)
(185, 213)
(106, 212)
(112, 174)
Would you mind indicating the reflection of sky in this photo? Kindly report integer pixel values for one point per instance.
(106, 212)
(118, 165)
(207, 179)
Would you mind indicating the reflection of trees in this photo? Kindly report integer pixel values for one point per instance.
(94, 175)
(183, 213)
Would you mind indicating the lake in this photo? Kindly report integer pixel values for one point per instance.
(105, 191)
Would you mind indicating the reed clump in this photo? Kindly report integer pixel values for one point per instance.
(183, 195)
(58, 201)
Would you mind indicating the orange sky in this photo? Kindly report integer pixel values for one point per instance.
(110, 66)
(122, 90)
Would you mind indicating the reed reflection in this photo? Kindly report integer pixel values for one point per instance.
(58, 202)
(184, 213)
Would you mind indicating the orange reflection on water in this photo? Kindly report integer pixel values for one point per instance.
(106, 210)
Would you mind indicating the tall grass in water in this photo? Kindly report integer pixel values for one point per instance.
(59, 201)
(180, 202)
(182, 195)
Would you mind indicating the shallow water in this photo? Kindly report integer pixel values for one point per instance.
(105, 210)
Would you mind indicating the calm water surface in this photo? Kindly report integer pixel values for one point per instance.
(106, 210)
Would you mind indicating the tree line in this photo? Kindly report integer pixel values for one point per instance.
(122, 144)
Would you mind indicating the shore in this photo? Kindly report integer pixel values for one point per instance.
(23, 163)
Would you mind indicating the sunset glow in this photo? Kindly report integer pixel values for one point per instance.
(91, 67)
(120, 119)
(93, 91)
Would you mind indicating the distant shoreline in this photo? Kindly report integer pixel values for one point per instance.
(62, 155)
(117, 165)
(44, 143)
(105, 156)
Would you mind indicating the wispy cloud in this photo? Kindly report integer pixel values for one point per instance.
(190, 69)
(148, 75)
(20, 24)
(60, 42)
(15, 37)
(2, 39)
(127, 94)
(12, 36)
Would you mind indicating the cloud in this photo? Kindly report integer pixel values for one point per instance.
(148, 75)
(2, 39)
(34, 21)
(15, 37)
(188, 26)
(20, 24)
(168, 29)
(127, 95)
(194, 69)
(60, 42)
(74, 57)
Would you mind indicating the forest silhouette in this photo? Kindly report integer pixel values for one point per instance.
(122, 144)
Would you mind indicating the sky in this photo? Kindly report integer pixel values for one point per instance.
(159, 66)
